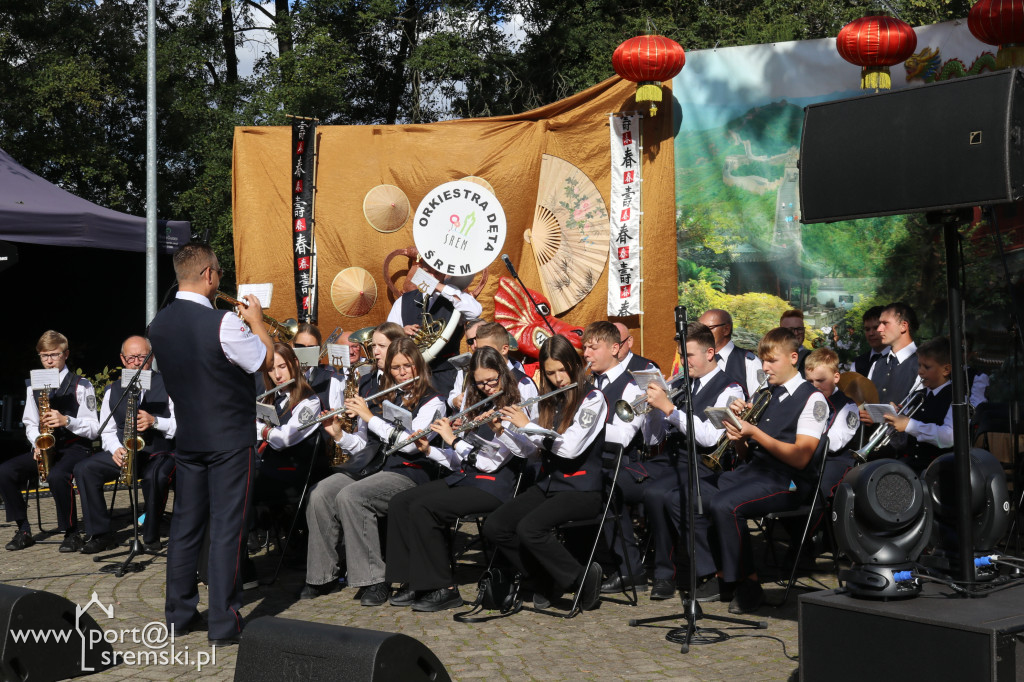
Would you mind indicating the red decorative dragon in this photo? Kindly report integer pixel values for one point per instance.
(512, 308)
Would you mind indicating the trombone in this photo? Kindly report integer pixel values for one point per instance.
(884, 431)
(335, 412)
(423, 432)
(627, 411)
(278, 330)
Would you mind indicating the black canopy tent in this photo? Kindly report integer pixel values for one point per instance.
(34, 211)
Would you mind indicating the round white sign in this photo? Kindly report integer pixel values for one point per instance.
(459, 228)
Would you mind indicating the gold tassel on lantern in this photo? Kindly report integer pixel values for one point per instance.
(649, 91)
(1009, 56)
(875, 78)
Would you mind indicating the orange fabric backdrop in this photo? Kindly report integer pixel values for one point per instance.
(506, 151)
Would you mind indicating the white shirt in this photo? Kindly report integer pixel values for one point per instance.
(291, 433)
(83, 423)
(618, 431)
(510, 444)
(108, 438)
(840, 433)
(940, 435)
(577, 438)
(704, 431)
(240, 345)
(751, 365)
(978, 389)
(461, 300)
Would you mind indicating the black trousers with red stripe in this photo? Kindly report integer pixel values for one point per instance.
(751, 490)
(213, 489)
(22, 469)
(418, 524)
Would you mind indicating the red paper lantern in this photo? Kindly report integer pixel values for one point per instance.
(1000, 22)
(647, 61)
(875, 44)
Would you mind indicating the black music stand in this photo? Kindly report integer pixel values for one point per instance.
(690, 633)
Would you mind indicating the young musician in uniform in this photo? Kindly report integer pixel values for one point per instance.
(895, 373)
(287, 448)
(740, 364)
(360, 446)
(793, 320)
(320, 377)
(777, 473)
(208, 358)
(419, 519)
(72, 420)
(363, 503)
(930, 430)
(155, 424)
(626, 356)
(863, 363)
(665, 495)
(440, 304)
(569, 484)
(484, 334)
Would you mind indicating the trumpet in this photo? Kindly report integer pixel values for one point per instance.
(480, 421)
(335, 412)
(278, 330)
(752, 414)
(423, 432)
(627, 411)
(884, 431)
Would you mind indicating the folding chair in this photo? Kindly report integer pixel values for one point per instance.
(808, 511)
(29, 489)
(479, 519)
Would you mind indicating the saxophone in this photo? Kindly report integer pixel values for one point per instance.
(133, 442)
(348, 424)
(45, 441)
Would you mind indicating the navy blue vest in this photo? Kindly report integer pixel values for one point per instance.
(64, 399)
(736, 367)
(441, 309)
(933, 411)
(779, 421)
(414, 465)
(862, 363)
(638, 362)
(214, 399)
(894, 385)
(612, 394)
(707, 396)
(582, 474)
(155, 402)
(500, 483)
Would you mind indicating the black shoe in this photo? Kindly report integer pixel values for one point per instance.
(749, 597)
(21, 540)
(403, 597)
(541, 601)
(590, 587)
(375, 595)
(313, 591)
(708, 589)
(153, 547)
(663, 589)
(224, 641)
(620, 584)
(72, 543)
(439, 600)
(198, 623)
(98, 543)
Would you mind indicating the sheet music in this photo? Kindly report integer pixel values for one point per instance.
(720, 415)
(646, 377)
(461, 361)
(44, 378)
(144, 381)
(267, 414)
(337, 354)
(308, 357)
(424, 281)
(877, 411)
(393, 413)
(264, 292)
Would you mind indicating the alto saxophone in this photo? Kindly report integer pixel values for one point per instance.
(45, 441)
(348, 424)
(133, 442)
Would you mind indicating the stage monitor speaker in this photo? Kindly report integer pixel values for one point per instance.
(946, 145)
(43, 637)
(276, 649)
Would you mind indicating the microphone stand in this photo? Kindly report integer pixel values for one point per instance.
(690, 633)
(512, 271)
(135, 547)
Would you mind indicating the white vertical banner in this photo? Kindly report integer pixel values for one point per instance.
(624, 215)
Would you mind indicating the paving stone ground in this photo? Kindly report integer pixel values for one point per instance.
(596, 645)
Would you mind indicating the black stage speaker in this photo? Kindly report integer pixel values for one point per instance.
(29, 616)
(275, 649)
(938, 637)
(946, 145)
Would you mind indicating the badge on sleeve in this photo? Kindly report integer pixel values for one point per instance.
(90, 402)
(820, 411)
(852, 419)
(306, 415)
(587, 418)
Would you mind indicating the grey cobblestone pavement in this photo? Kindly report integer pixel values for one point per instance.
(596, 645)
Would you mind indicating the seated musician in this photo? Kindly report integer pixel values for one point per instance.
(776, 473)
(600, 348)
(569, 484)
(419, 519)
(359, 447)
(441, 303)
(71, 418)
(739, 364)
(626, 356)
(930, 429)
(320, 377)
(155, 424)
(665, 496)
(484, 334)
(286, 450)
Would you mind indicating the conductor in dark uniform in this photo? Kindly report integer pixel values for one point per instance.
(208, 357)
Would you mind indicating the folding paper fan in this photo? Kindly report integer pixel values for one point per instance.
(480, 181)
(353, 292)
(570, 233)
(386, 208)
